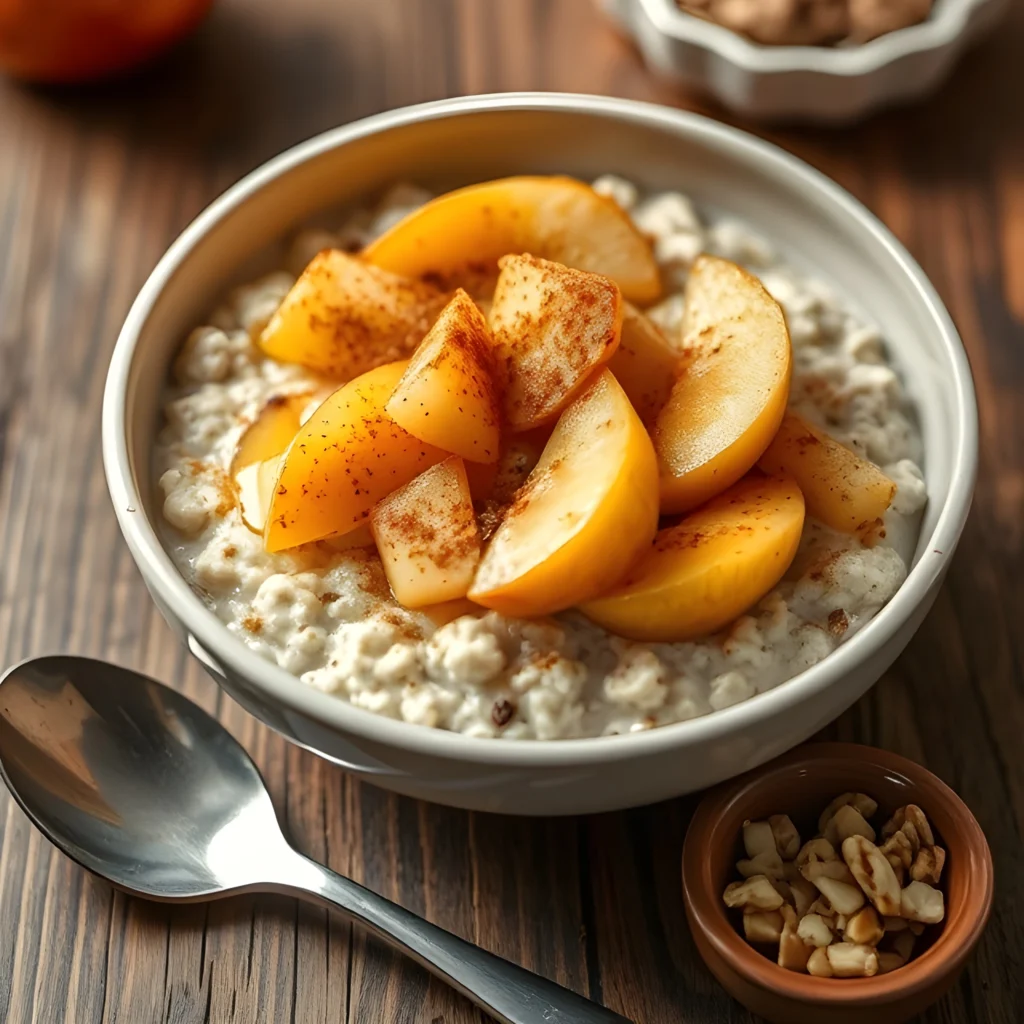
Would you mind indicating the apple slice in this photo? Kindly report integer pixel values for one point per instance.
(842, 490)
(553, 326)
(272, 430)
(427, 537)
(346, 457)
(731, 394)
(645, 364)
(710, 568)
(264, 439)
(585, 514)
(462, 233)
(343, 317)
(448, 396)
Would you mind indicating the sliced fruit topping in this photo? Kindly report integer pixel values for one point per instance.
(344, 317)
(271, 432)
(346, 457)
(711, 567)
(729, 398)
(255, 462)
(463, 233)
(585, 514)
(645, 364)
(427, 536)
(448, 396)
(843, 490)
(552, 327)
(255, 483)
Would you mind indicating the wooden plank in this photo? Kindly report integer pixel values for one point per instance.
(93, 186)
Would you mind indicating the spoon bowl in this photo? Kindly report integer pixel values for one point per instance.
(144, 788)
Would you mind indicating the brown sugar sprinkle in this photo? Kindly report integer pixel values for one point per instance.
(502, 712)
(253, 623)
(328, 597)
(230, 551)
(838, 623)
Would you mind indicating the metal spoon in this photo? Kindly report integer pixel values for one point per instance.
(141, 786)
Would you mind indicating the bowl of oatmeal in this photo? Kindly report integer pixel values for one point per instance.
(603, 626)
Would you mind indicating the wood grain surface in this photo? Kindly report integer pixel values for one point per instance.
(94, 183)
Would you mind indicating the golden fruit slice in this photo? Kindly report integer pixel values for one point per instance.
(448, 396)
(255, 463)
(427, 537)
(462, 233)
(553, 326)
(729, 398)
(343, 317)
(841, 489)
(346, 457)
(271, 432)
(645, 364)
(584, 515)
(710, 568)
(449, 611)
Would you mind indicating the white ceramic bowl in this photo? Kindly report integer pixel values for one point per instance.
(452, 142)
(804, 83)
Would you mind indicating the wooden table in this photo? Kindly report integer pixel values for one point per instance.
(93, 186)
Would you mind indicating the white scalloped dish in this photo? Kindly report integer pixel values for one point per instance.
(804, 83)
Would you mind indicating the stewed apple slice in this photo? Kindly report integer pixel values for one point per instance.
(272, 430)
(343, 317)
(843, 490)
(711, 567)
(427, 536)
(645, 364)
(553, 326)
(346, 457)
(264, 439)
(466, 231)
(449, 395)
(585, 514)
(729, 399)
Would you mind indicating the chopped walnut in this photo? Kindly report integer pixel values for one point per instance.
(839, 905)
(848, 960)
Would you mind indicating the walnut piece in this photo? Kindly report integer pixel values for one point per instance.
(758, 839)
(814, 930)
(874, 874)
(864, 928)
(793, 951)
(787, 839)
(846, 822)
(757, 892)
(846, 899)
(859, 801)
(848, 960)
(767, 863)
(927, 866)
(763, 926)
(818, 965)
(920, 902)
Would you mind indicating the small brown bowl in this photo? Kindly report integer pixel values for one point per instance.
(801, 784)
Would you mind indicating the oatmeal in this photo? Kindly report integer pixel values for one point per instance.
(324, 611)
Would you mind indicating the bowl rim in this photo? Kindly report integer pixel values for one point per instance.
(284, 690)
(940, 30)
(945, 955)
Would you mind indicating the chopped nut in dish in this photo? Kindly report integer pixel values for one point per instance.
(838, 905)
(811, 22)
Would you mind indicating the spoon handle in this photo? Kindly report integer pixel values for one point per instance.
(509, 993)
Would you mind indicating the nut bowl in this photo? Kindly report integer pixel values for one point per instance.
(804, 781)
(459, 141)
(804, 83)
